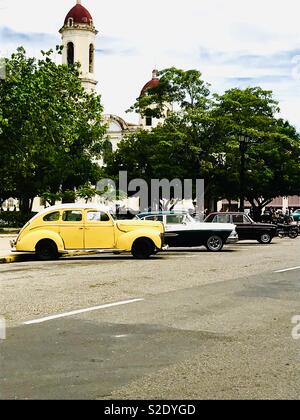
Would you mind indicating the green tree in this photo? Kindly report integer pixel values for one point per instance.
(53, 129)
(180, 90)
(200, 138)
(271, 153)
(189, 128)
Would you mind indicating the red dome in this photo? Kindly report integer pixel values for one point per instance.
(80, 15)
(152, 83)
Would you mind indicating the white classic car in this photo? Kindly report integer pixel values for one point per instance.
(184, 231)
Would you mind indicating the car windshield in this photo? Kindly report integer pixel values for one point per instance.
(112, 215)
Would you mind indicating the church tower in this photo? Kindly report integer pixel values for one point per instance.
(79, 42)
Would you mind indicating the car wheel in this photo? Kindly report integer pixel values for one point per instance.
(142, 248)
(293, 234)
(46, 250)
(265, 238)
(214, 243)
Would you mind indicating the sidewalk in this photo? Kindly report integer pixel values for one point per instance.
(6, 255)
(5, 249)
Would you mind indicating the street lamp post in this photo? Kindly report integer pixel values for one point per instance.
(243, 145)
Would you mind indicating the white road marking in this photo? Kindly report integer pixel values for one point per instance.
(287, 269)
(81, 311)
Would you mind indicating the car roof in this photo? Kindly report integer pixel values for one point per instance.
(71, 206)
(228, 212)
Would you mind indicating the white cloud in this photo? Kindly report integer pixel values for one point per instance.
(226, 39)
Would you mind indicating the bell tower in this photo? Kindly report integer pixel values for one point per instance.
(79, 42)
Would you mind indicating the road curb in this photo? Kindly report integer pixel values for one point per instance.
(10, 259)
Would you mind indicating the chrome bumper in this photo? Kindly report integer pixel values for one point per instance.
(232, 238)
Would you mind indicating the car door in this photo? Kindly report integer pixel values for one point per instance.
(178, 233)
(99, 232)
(243, 226)
(71, 229)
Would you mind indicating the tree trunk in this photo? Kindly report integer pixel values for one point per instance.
(25, 205)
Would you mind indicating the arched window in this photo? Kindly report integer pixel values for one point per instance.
(71, 21)
(70, 53)
(91, 58)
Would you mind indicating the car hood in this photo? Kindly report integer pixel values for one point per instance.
(201, 226)
(129, 225)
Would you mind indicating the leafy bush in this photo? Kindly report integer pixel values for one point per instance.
(14, 219)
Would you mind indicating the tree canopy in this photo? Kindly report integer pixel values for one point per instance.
(200, 138)
(51, 130)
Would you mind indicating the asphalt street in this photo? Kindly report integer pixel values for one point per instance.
(186, 324)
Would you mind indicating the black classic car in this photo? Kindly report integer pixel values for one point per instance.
(245, 226)
(181, 230)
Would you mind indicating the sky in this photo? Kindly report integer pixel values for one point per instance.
(233, 43)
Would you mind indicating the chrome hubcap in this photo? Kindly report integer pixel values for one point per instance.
(214, 243)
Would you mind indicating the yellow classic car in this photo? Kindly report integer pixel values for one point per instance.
(59, 229)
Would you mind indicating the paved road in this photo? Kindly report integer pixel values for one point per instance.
(195, 325)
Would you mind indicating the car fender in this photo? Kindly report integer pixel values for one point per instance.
(30, 239)
(126, 240)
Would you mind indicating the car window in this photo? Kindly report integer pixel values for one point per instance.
(238, 218)
(222, 218)
(154, 218)
(97, 216)
(52, 217)
(174, 219)
(72, 216)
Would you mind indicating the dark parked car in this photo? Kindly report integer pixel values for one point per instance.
(246, 228)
